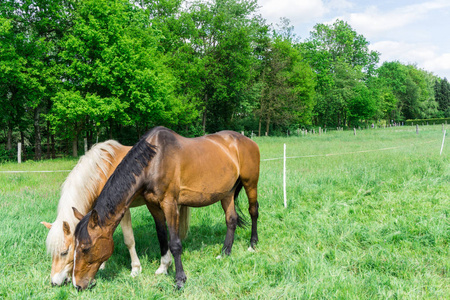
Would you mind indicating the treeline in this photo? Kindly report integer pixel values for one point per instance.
(97, 69)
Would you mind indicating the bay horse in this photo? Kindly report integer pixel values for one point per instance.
(80, 189)
(169, 170)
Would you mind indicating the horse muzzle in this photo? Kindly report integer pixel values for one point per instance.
(90, 285)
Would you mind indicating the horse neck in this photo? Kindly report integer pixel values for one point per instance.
(125, 184)
(86, 180)
(111, 218)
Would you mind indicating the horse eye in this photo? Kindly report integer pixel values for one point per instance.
(64, 253)
(86, 250)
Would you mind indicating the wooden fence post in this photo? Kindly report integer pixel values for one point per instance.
(19, 153)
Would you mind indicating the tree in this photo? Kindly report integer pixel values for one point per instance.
(342, 60)
(413, 89)
(287, 86)
(215, 63)
(114, 72)
(442, 94)
(28, 58)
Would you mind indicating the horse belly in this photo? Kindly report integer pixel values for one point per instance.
(198, 198)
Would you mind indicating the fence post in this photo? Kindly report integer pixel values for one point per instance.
(443, 139)
(354, 131)
(85, 145)
(417, 128)
(19, 153)
(284, 176)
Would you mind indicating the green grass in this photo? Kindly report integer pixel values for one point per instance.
(359, 225)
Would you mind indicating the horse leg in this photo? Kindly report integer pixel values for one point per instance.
(231, 218)
(128, 238)
(172, 217)
(251, 191)
(161, 232)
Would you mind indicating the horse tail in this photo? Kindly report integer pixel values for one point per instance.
(241, 221)
(184, 219)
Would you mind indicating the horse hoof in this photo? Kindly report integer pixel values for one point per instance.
(180, 285)
(136, 271)
(161, 270)
(250, 249)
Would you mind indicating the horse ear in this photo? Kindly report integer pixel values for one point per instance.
(48, 225)
(93, 220)
(77, 214)
(66, 228)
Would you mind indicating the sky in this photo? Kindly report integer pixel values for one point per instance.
(410, 31)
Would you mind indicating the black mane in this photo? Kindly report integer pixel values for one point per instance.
(124, 177)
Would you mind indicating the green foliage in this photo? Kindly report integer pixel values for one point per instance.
(287, 85)
(427, 121)
(342, 62)
(442, 96)
(113, 69)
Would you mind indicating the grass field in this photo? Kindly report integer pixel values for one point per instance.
(370, 221)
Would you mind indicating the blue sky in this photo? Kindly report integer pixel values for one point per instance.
(410, 31)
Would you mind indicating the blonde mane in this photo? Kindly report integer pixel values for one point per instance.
(79, 191)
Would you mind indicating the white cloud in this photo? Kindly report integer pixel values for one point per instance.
(439, 64)
(374, 21)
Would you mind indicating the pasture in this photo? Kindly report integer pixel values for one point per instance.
(368, 217)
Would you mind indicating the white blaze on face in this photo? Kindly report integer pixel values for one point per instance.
(59, 278)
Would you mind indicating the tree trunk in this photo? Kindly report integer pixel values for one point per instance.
(259, 127)
(268, 124)
(204, 115)
(37, 134)
(204, 121)
(9, 138)
(22, 140)
(75, 146)
(53, 146)
(48, 140)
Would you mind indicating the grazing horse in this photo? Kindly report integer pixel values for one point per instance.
(80, 190)
(169, 170)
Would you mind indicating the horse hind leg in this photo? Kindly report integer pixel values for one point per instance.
(253, 206)
(231, 218)
(128, 238)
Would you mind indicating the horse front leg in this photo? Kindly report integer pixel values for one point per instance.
(161, 232)
(231, 218)
(171, 213)
(128, 238)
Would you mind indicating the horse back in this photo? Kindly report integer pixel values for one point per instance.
(206, 167)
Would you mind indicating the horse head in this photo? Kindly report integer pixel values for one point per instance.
(93, 245)
(62, 254)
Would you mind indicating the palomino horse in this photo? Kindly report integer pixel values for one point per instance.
(169, 170)
(80, 190)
